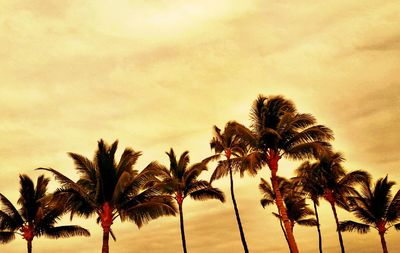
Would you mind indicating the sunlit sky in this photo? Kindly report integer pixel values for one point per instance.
(159, 74)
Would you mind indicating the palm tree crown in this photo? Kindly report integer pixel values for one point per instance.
(239, 158)
(110, 190)
(375, 207)
(180, 180)
(278, 130)
(37, 216)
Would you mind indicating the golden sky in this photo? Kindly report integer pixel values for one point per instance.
(159, 74)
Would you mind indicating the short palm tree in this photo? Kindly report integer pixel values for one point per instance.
(295, 203)
(37, 215)
(375, 207)
(109, 190)
(229, 144)
(180, 180)
(307, 179)
(337, 184)
(277, 130)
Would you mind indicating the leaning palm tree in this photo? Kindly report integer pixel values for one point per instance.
(110, 190)
(375, 207)
(269, 197)
(295, 203)
(180, 180)
(37, 216)
(337, 184)
(229, 144)
(307, 179)
(278, 130)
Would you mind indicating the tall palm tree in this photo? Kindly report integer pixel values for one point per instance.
(37, 216)
(295, 203)
(110, 190)
(277, 130)
(375, 207)
(307, 179)
(337, 184)
(180, 180)
(229, 144)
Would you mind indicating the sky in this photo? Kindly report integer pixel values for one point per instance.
(159, 74)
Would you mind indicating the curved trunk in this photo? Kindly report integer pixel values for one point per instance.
(273, 165)
(246, 250)
(337, 227)
(318, 227)
(284, 233)
(106, 236)
(29, 246)
(383, 242)
(182, 228)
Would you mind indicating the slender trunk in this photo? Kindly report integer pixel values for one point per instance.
(29, 246)
(246, 250)
(284, 233)
(318, 227)
(383, 242)
(106, 236)
(273, 165)
(182, 228)
(337, 227)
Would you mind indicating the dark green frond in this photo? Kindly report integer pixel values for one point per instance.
(220, 171)
(6, 237)
(84, 166)
(351, 226)
(266, 202)
(128, 158)
(10, 210)
(65, 232)
(393, 211)
(151, 209)
(307, 222)
(69, 184)
(308, 150)
(208, 193)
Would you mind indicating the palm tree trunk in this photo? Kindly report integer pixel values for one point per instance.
(273, 165)
(284, 233)
(383, 242)
(337, 227)
(29, 246)
(182, 228)
(246, 250)
(318, 227)
(106, 236)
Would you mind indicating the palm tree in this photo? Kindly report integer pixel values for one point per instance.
(278, 130)
(295, 203)
(180, 180)
(375, 207)
(337, 184)
(229, 144)
(37, 216)
(307, 179)
(110, 190)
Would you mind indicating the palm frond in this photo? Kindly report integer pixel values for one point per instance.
(354, 226)
(220, 171)
(84, 166)
(68, 183)
(307, 222)
(208, 193)
(65, 232)
(144, 212)
(6, 236)
(10, 210)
